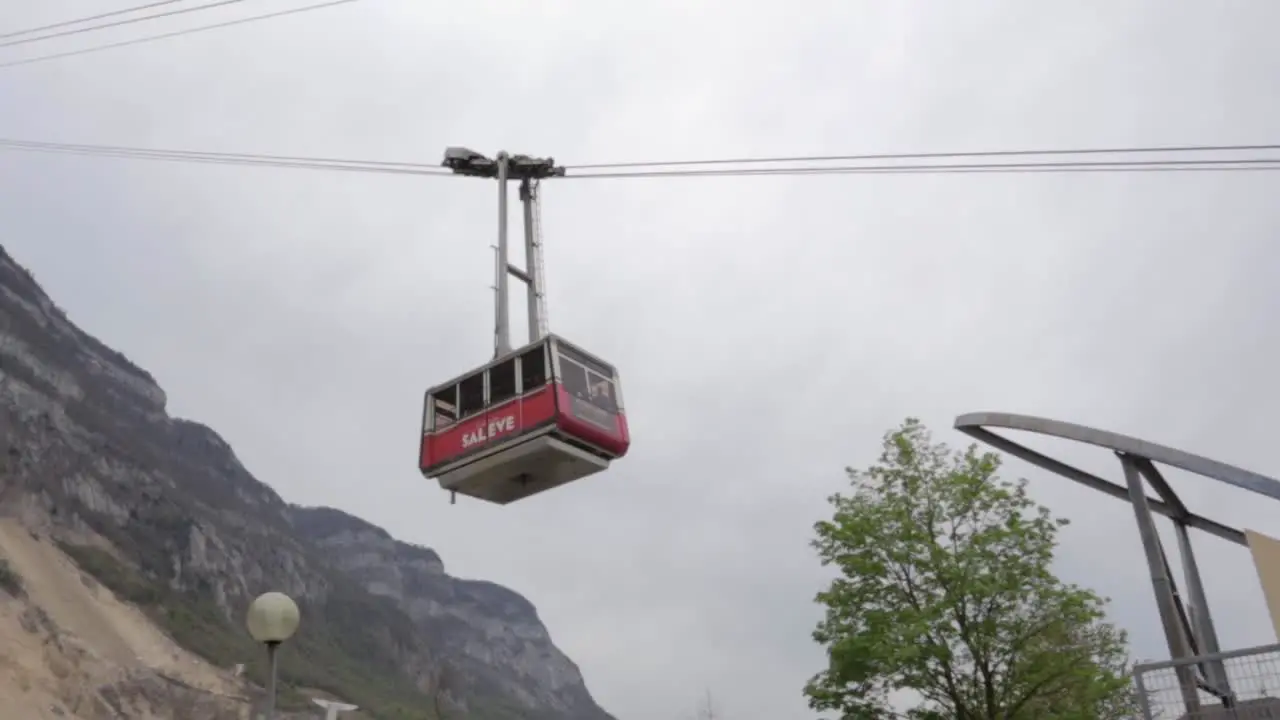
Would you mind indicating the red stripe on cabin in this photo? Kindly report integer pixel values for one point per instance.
(495, 425)
(517, 417)
(615, 440)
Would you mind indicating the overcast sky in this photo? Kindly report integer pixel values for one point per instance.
(768, 330)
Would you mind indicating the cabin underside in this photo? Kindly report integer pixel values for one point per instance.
(525, 467)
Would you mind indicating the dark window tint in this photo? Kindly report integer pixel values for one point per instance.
(582, 359)
(443, 410)
(590, 395)
(574, 378)
(533, 369)
(471, 395)
(600, 392)
(502, 382)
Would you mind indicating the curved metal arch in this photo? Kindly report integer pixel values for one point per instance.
(1187, 632)
(975, 425)
(1212, 469)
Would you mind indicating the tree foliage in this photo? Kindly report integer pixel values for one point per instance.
(945, 599)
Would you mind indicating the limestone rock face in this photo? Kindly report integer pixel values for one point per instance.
(160, 514)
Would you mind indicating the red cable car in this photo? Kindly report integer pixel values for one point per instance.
(533, 418)
(536, 418)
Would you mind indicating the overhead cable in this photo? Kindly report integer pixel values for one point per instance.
(1040, 166)
(188, 31)
(90, 18)
(931, 156)
(118, 23)
(943, 170)
(126, 150)
(278, 161)
(1163, 165)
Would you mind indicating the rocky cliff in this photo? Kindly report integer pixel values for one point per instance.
(490, 636)
(161, 513)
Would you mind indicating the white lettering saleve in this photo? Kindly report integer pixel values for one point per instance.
(488, 431)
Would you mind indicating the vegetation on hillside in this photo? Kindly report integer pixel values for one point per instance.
(111, 461)
(945, 590)
(10, 580)
(329, 654)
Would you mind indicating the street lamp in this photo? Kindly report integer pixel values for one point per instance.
(272, 618)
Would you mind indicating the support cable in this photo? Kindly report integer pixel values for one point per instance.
(177, 33)
(796, 168)
(255, 159)
(965, 168)
(117, 23)
(90, 18)
(934, 155)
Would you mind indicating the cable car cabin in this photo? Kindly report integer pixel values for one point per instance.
(536, 418)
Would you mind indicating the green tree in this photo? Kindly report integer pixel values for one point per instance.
(945, 598)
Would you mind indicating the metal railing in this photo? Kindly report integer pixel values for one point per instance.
(1179, 689)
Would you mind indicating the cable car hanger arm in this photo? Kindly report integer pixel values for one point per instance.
(468, 162)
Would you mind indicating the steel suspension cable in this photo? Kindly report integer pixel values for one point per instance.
(177, 33)
(795, 169)
(933, 156)
(90, 18)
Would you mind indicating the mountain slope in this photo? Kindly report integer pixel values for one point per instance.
(70, 649)
(490, 636)
(162, 513)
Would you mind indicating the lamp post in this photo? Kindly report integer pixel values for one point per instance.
(272, 619)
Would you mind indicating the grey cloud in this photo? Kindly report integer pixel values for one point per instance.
(767, 330)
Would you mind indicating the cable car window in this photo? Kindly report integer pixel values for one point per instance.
(502, 382)
(533, 369)
(574, 378)
(582, 359)
(600, 393)
(443, 412)
(587, 399)
(471, 395)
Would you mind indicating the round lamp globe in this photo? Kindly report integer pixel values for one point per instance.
(272, 618)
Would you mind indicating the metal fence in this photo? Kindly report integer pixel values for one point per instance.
(1235, 685)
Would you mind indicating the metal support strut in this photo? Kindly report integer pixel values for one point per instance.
(502, 321)
(528, 171)
(1188, 625)
(1168, 603)
(534, 268)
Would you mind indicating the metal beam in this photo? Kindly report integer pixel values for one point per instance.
(1171, 615)
(502, 323)
(528, 170)
(1212, 469)
(1090, 480)
(1162, 487)
(518, 274)
(1188, 625)
(1201, 620)
(532, 260)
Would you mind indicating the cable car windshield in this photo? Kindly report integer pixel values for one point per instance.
(590, 384)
